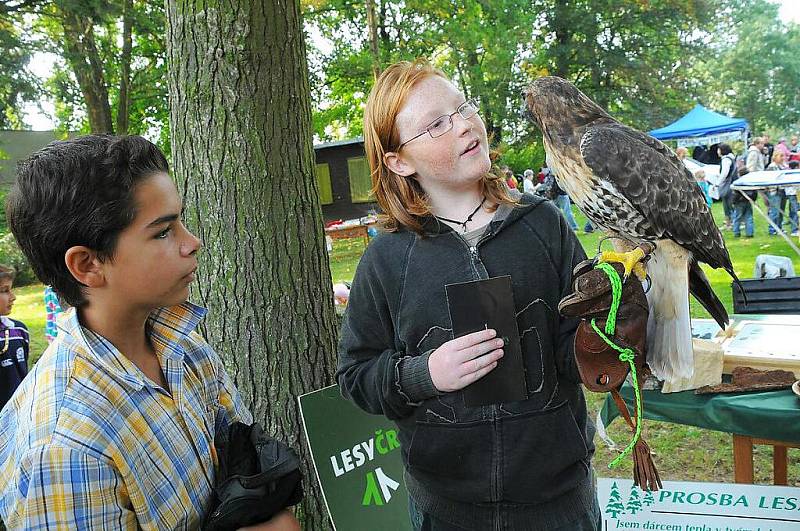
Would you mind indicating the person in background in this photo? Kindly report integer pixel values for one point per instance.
(791, 198)
(14, 340)
(52, 308)
(727, 173)
(527, 182)
(681, 153)
(794, 149)
(767, 150)
(776, 195)
(563, 202)
(783, 148)
(742, 213)
(700, 177)
(558, 196)
(755, 159)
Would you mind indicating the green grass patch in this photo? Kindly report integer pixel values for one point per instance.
(344, 258)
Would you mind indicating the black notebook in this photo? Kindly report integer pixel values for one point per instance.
(480, 305)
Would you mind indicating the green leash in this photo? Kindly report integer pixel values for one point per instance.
(626, 355)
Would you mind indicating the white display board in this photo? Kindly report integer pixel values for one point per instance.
(691, 506)
(763, 342)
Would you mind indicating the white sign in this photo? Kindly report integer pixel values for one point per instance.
(688, 506)
(710, 139)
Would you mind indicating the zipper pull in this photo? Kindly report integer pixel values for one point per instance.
(474, 252)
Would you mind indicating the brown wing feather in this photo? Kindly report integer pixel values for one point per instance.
(657, 184)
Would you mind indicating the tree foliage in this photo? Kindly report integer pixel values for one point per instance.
(110, 75)
(630, 57)
(752, 65)
(17, 85)
(646, 61)
(477, 42)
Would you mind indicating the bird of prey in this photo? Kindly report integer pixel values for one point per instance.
(634, 188)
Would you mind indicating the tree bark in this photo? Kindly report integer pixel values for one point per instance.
(373, 39)
(123, 106)
(475, 73)
(240, 120)
(560, 26)
(82, 54)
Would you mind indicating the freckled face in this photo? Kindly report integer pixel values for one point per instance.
(460, 156)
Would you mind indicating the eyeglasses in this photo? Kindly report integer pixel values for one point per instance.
(444, 123)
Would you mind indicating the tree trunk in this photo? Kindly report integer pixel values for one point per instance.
(373, 39)
(475, 74)
(125, 69)
(82, 54)
(240, 120)
(560, 26)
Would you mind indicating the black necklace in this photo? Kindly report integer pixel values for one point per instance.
(469, 218)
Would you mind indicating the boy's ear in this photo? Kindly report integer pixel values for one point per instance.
(397, 164)
(85, 266)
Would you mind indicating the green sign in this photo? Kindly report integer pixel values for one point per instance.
(357, 459)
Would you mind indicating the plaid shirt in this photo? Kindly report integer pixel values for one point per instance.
(89, 442)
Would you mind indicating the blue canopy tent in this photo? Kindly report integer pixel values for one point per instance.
(701, 126)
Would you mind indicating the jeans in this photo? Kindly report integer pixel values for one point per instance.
(775, 214)
(743, 212)
(792, 200)
(727, 206)
(421, 521)
(563, 202)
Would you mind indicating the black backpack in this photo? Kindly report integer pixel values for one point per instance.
(733, 171)
(258, 477)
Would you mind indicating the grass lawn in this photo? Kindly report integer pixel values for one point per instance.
(681, 452)
(29, 308)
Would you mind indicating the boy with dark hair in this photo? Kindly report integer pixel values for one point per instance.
(14, 340)
(114, 427)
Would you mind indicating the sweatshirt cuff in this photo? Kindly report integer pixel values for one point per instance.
(414, 379)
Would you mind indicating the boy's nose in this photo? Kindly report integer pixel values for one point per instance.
(192, 244)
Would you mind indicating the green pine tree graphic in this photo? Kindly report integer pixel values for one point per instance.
(634, 503)
(614, 505)
(648, 499)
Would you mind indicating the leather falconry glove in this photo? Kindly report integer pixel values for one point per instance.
(610, 342)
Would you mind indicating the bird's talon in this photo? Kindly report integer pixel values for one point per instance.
(640, 271)
(631, 262)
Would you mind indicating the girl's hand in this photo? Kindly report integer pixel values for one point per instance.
(463, 360)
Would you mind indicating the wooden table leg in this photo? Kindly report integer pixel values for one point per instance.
(742, 459)
(779, 465)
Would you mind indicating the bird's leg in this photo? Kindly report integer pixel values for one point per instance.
(632, 261)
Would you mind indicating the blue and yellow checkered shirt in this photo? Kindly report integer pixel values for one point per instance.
(89, 442)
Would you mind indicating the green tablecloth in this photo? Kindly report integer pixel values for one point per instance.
(769, 415)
